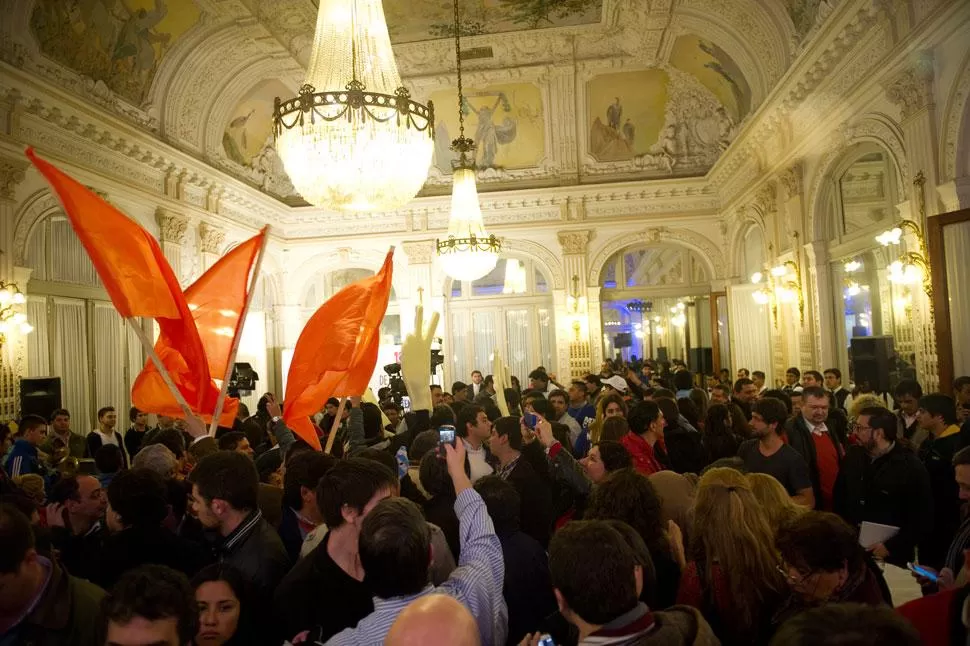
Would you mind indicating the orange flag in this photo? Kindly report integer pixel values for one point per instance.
(216, 301)
(337, 350)
(136, 276)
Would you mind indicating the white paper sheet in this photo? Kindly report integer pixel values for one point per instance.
(872, 533)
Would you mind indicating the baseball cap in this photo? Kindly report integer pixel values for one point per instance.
(616, 382)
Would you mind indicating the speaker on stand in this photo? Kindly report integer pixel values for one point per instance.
(40, 396)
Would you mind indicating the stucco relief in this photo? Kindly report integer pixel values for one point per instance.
(706, 249)
(954, 151)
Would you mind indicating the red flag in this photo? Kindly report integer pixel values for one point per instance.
(337, 350)
(136, 276)
(216, 301)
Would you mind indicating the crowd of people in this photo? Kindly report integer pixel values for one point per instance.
(641, 505)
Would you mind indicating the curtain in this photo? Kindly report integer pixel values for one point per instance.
(70, 361)
(111, 383)
(457, 362)
(484, 342)
(956, 249)
(750, 325)
(517, 343)
(38, 341)
(70, 263)
(547, 342)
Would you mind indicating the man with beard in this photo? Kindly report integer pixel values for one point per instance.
(881, 481)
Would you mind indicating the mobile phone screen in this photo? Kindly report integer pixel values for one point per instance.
(406, 404)
(446, 435)
(530, 419)
(922, 572)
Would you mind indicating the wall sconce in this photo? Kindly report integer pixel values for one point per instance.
(783, 285)
(576, 302)
(912, 267)
(10, 319)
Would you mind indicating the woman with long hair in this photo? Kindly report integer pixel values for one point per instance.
(775, 501)
(732, 573)
(720, 439)
(608, 405)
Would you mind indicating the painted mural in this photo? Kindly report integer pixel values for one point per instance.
(409, 21)
(805, 14)
(669, 121)
(506, 122)
(248, 137)
(119, 43)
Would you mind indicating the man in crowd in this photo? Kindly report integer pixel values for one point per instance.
(646, 429)
(768, 453)
(594, 386)
(476, 384)
(745, 394)
(792, 376)
(459, 391)
(720, 394)
(961, 390)
(225, 492)
(812, 379)
(881, 481)
(833, 383)
(434, 619)
(324, 592)
(61, 430)
(75, 514)
(150, 606)
(394, 549)
(938, 417)
(395, 417)
(238, 442)
(558, 400)
(758, 377)
(539, 381)
(597, 583)
(579, 405)
(743, 373)
(40, 603)
(135, 436)
(23, 457)
(907, 395)
(474, 429)
(301, 514)
(505, 443)
(106, 433)
(820, 437)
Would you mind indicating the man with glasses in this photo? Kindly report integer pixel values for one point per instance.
(819, 436)
(881, 481)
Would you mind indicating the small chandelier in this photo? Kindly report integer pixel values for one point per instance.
(469, 252)
(360, 143)
(10, 319)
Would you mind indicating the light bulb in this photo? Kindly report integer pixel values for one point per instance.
(890, 237)
(18, 318)
(761, 297)
(26, 328)
(757, 277)
(779, 270)
(18, 299)
(852, 266)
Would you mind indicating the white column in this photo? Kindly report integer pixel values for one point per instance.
(574, 329)
(819, 310)
(13, 355)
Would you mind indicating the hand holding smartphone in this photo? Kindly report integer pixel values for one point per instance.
(446, 435)
(918, 569)
(530, 420)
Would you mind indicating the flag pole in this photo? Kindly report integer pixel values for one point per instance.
(336, 424)
(162, 370)
(221, 401)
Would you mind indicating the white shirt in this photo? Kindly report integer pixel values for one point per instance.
(574, 428)
(476, 460)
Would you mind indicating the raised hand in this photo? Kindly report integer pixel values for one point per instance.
(416, 360)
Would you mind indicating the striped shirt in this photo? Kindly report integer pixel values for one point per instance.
(477, 583)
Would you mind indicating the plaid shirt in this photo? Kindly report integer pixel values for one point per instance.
(477, 583)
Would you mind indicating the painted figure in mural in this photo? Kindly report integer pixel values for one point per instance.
(614, 113)
(136, 42)
(488, 134)
(234, 139)
(629, 131)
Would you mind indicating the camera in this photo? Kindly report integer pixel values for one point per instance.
(396, 383)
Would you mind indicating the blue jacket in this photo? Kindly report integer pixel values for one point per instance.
(23, 459)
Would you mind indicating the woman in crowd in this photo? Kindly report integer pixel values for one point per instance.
(614, 428)
(609, 405)
(605, 458)
(225, 611)
(774, 500)
(629, 496)
(732, 573)
(824, 563)
(720, 439)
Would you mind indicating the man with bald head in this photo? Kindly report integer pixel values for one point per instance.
(436, 619)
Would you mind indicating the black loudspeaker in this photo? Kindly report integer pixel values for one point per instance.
(702, 361)
(874, 361)
(40, 396)
(243, 377)
(623, 340)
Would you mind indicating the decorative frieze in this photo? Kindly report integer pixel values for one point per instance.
(12, 172)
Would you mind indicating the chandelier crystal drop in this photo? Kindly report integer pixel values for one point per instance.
(354, 140)
(469, 252)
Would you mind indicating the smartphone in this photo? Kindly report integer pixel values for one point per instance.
(446, 435)
(922, 571)
(530, 419)
(546, 640)
(406, 404)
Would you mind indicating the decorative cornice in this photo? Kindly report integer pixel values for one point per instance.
(171, 226)
(912, 89)
(211, 238)
(574, 242)
(12, 172)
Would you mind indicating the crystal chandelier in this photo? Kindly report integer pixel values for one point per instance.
(469, 252)
(360, 143)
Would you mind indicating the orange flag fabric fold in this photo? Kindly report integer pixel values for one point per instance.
(337, 350)
(136, 276)
(216, 301)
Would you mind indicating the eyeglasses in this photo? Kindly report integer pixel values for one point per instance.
(793, 580)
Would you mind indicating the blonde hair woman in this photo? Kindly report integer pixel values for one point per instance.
(864, 401)
(774, 500)
(732, 573)
(609, 405)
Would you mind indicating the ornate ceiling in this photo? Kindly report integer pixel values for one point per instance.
(658, 87)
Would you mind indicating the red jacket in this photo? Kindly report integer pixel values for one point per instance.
(644, 458)
(937, 616)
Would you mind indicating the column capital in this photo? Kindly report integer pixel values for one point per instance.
(171, 226)
(12, 172)
(419, 252)
(766, 199)
(575, 241)
(791, 180)
(211, 238)
(955, 194)
(912, 88)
